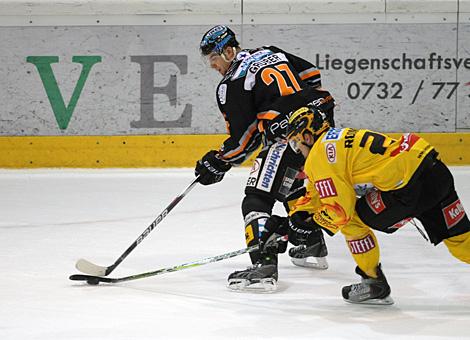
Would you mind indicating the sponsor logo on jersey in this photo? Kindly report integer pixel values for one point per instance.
(374, 201)
(324, 220)
(254, 172)
(279, 128)
(453, 213)
(249, 234)
(287, 182)
(256, 166)
(331, 152)
(361, 246)
(406, 143)
(289, 178)
(331, 216)
(222, 93)
(271, 165)
(248, 59)
(349, 138)
(333, 134)
(320, 101)
(326, 188)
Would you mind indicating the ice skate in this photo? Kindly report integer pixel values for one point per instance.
(260, 277)
(313, 256)
(370, 291)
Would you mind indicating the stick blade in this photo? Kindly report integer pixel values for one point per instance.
(90, 268)
(90, 279)
(79, 277)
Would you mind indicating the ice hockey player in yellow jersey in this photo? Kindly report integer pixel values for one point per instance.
(361, 180)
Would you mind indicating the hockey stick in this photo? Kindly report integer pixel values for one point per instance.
(94, 280)
(87, 267)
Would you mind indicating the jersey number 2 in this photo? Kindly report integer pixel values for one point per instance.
(279, 73)
(377, 145)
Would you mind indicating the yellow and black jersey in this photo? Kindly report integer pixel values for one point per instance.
(249, 94)
(344, 162)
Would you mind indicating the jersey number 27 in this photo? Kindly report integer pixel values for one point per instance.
(281, 73)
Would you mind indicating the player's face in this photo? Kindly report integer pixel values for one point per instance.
(304, 149)
(217, 62)
(302, 145)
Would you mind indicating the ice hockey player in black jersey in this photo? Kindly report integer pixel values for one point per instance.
(258, 90)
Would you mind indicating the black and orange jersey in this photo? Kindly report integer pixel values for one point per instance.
(252, 97)
(308, 72)
(343, 162)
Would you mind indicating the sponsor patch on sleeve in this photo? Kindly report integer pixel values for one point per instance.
(406, 143)
(374, 201)
(453, 213)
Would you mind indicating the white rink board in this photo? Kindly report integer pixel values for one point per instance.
(50, 218)
(410, 92)
(396, 65)
(403, 93)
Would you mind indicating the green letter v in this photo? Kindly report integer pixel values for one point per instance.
(62, 113)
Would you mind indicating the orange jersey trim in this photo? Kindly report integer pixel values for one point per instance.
(243, 143)
(310, 74)
(268, 115)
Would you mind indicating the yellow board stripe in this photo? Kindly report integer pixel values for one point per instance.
(157, 151)
(105, 151)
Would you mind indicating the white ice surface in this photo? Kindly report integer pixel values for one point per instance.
(50, 218)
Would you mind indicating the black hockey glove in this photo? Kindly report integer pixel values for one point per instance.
(210, 168)
(274, 227)
(302, 229)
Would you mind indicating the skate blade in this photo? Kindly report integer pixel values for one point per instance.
(268, 285)
(320, 262)
(387, 301)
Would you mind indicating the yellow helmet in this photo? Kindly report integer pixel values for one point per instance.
(306, 119)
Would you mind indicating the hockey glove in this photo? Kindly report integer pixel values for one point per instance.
(274, 227)
(210, 168)
(302, 229)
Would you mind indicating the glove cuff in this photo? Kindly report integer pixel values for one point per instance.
(220, 165)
